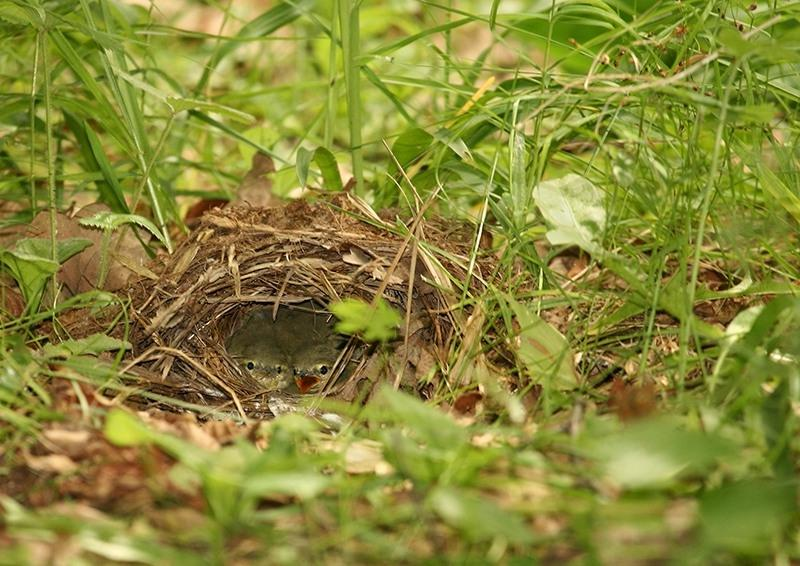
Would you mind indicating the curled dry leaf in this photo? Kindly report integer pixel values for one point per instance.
(356, 256)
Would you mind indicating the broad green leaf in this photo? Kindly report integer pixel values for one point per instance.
(573, 207)
(124, 429)
(91, 345)
(657, 452)
(326, 162)
(477, 517)
(411, 145)
(430, 424)
(543, 350)
(30, 264)
(747, 516)
(455, 143)
(40, 247)
(297, 483)
(374, 323)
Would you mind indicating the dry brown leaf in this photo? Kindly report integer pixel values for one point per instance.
(55, 463)
(366, 457)
(466, 403)
(11, 301)
(67, 440)
(356, 257)
(632, 401)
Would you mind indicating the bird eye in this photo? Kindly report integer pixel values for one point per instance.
(278, 369)
(323, 370)
(250, 365)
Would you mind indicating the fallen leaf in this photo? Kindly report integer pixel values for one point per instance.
(632, 401)
(55, 463)
(356, 256)
(366, 457)
(466, 402)
(81, 273)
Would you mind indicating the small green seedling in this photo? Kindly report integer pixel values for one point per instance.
(375, 323)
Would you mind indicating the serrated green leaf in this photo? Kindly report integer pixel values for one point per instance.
(374, 323)
(91, 345)
(105, 220)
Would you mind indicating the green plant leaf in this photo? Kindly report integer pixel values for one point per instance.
(111, 192)
(573, 207)
(543, 350)
(411, 145)
(30, 264)
(105, 220)
(477, 517)
(91, 345)
(374, 323)
(780, 191)
(657, 452)
(181, 104)
(124, 429)
(746, 516)
(296, 483)
(326, 162)
(429, 424)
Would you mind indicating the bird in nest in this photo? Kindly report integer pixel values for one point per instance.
(292, 349)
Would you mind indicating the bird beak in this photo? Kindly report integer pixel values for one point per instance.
(306, 382)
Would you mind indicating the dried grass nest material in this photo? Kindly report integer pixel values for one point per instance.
(241, 257)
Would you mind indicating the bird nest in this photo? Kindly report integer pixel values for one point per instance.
(238, 259)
